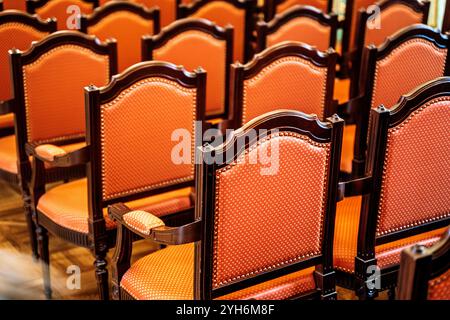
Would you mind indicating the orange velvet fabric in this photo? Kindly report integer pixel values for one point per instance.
(14, 5)
(439, 288)
(319, 4)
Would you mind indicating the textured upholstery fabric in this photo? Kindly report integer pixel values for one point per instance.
(8, 153)
(67, 205)
(14, 4)
(127, 28)
(416, 175)
(142, 158)
(13, 35)
(142, 221)
(346, 237)
(58, 9)
(348, 142)
(193, 49)
(302, 29)
(64, 70)
(169, 274)
(439, 288)
(223, 13)
(417, 58)
(278, 85)
(167, 9)
(393, 19)
(250, 203)
(319, 4)
(7, 121)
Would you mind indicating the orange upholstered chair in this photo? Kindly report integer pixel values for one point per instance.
(403, 198)
(413, 56)
(17, 30)
(290, 75)
(126, 22)
(425, 272)
(273, 7)
(14, 5)
(65, 11)
(197, 43)
(238, 201)
(48, 85)
(392, 17)
(167, 8)
(299, 23)
(238, 13)
(128, 155)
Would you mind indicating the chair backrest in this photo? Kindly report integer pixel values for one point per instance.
(290, 75)
(263, 228)
(425, 272)
(18, 30)
(410, 166)
(299, 23)
(132, 127)
(14, 5)
(393, 16)
(167, 8)
(126, 22)
(65, 11)
(273, 7)
(411, 57)
(48, 85)
(197, 43)
(238, 13)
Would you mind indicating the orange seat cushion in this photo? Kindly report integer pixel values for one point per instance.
(168, 274)
(348, 142)
(346, 237)
(7, 120)
(8, 153)
(67, 205)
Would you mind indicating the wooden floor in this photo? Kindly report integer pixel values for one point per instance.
(20, 276)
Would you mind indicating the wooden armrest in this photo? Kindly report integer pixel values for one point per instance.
(356, 187)
(6, 107)
(58, 157)
(151, 227)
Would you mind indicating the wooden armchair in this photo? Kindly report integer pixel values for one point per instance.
(402, 199)
(224, 241)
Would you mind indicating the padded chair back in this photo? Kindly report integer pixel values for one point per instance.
(263, 228)
(273, 7)
(18, 30)
(48, 85)
(167, 9)
(59, 9)
(150, 102)
(299, 23)
(410, 165)
(237, 13)
(290, 75)
(425, 272)
(126, 22)
(194, 43)
(14, 5)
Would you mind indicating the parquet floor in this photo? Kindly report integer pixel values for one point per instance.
(20, 276)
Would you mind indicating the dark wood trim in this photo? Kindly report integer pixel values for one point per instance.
(151, 43)
(87, 21)
(285, 120)
(270, 8)
(446, 21)
(1, 5)
(249, 6)
(264, 29)
(360, 34)
(371, 55)
(33, 5)
(240, 73)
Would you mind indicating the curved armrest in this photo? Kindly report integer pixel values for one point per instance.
(6, 107)
(59, 157)
(150, 226)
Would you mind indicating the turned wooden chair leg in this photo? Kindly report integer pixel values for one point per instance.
(31, 226)
(42, 238)
(101, 273)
